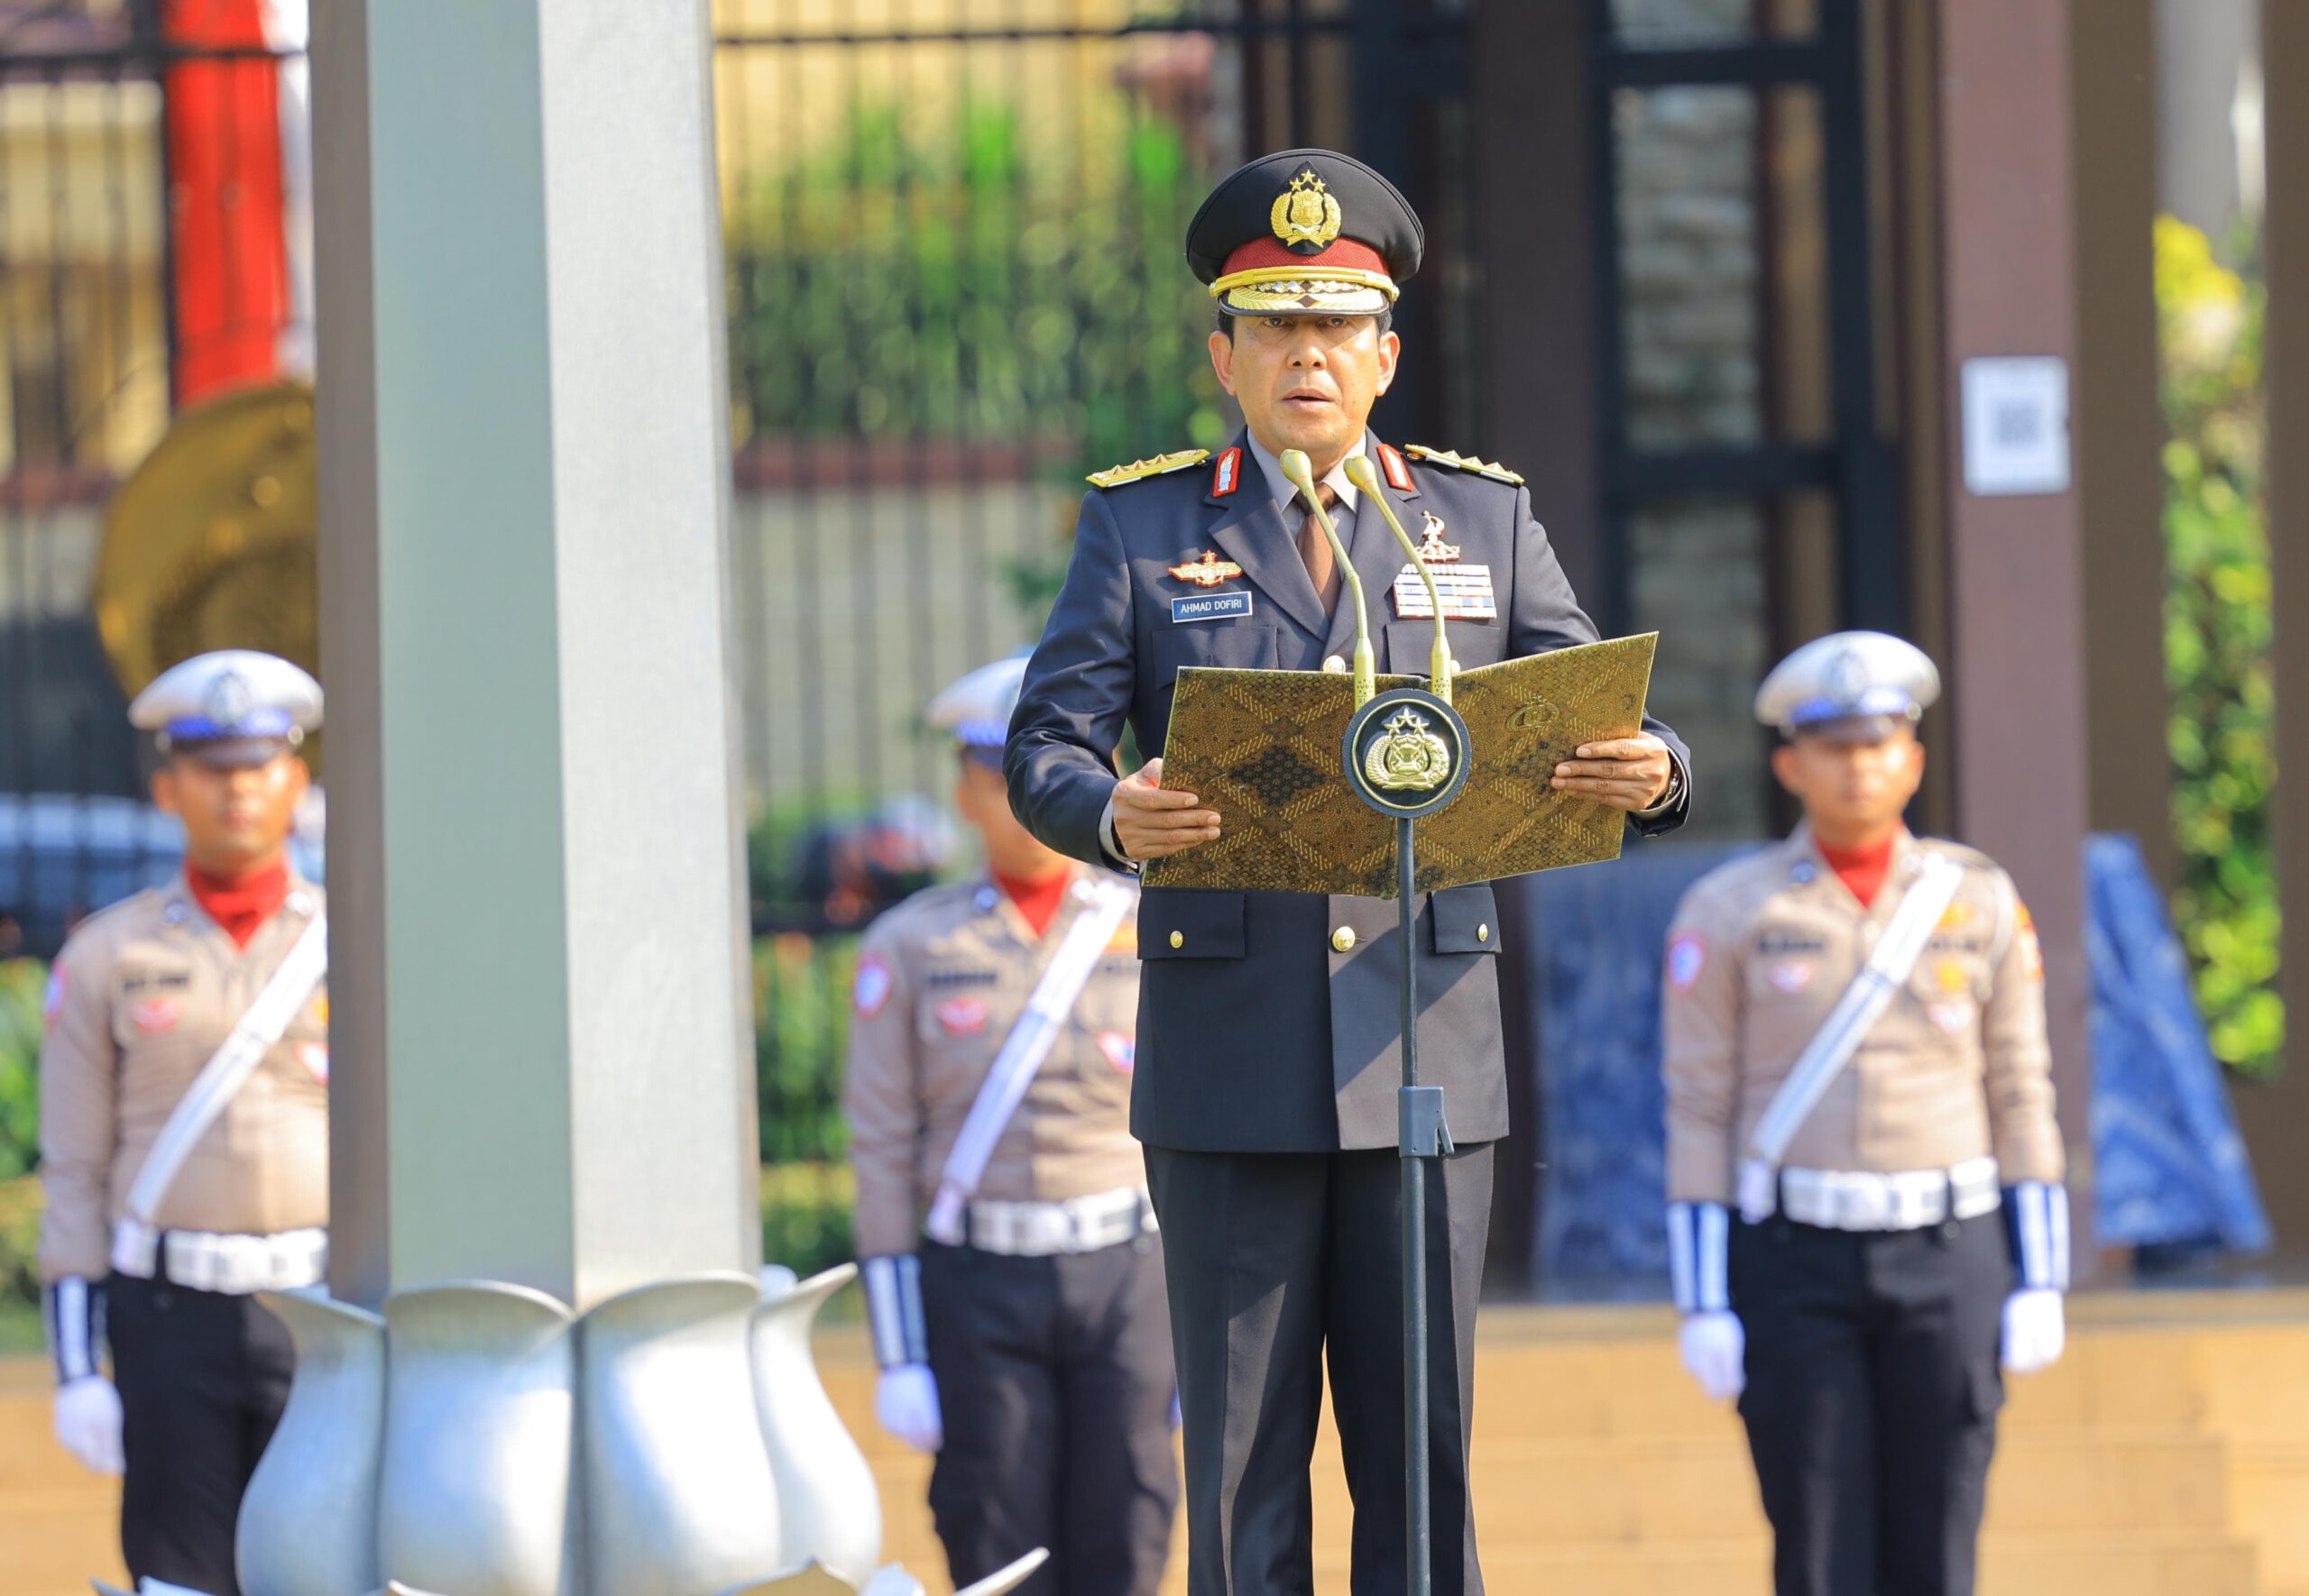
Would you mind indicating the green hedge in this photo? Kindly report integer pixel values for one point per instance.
(23, 984)
(2217, 643)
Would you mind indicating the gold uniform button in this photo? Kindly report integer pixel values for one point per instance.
(1483, 934)
(1343, 939)
(1336, 665)
(1178, 939)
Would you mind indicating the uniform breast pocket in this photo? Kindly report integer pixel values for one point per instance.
(1949, 988)
(1465, 920)
(1409, 644)
(1224, 645)
(1191, 922)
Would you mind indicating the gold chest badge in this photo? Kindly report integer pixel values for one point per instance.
(1431, 547)
(1209, 571)
(1305, 213)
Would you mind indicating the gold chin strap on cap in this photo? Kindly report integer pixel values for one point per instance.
(1302, 476)
(1438, 660)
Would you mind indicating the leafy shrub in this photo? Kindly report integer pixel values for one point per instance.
(973, 283)
(2217, 642)
(23, 984)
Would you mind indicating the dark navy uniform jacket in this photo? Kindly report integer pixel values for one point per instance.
(1255, 1034)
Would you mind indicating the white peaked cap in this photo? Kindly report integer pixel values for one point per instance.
(977, 708)
(1848, 675)
(231, 695)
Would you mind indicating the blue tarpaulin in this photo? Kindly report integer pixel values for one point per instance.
(2171, 1168)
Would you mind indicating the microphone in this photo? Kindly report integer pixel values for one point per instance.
(1439, 662)
(1302, 476)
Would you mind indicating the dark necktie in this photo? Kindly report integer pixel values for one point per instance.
(1316, 549)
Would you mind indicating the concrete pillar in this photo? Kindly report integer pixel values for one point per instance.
(543, 1058)
(1529, 64)
(2019, 709)
(2120, 429)
(2274, 1117)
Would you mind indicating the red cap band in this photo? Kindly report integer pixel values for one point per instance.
(1345, 254)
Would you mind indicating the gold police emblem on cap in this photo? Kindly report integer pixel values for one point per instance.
(1409, 757)
(1305, 213)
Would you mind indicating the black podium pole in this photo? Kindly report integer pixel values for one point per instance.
(1421, 1137)
(1406, 754)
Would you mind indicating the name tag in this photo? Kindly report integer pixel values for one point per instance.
(1209, 607)
(1464, 590)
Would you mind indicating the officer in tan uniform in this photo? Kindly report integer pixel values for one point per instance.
(184, 1129)
(1864, 1172)
(1013, 1273)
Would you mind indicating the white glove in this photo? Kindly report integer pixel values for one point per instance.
(907, 1402)
(1714, 1350)
(2035, 1329)
(87, 1422)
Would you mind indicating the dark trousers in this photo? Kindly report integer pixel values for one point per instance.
(1054, 1385)
(1282, 1260)
(1872, 1400)
(203, 1376)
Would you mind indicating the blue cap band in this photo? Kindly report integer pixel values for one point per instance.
(257, 722)
(1876, 701)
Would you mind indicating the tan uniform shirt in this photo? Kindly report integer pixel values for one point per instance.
(1958, 1066)
(942, 979)
(141, 998)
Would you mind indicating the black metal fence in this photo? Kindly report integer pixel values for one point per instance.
(956, 284)
(139, 153)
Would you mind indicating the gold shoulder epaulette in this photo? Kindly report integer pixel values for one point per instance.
(1115, 476)
(1433, 456)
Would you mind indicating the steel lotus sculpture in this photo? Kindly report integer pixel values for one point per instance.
(479, 1439)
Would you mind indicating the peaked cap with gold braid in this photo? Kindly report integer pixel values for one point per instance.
(1305, 233)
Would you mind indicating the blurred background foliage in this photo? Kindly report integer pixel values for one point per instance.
(973, 283)
(2217, 639)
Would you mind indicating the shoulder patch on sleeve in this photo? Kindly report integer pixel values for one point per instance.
(871, 987)
(53, 1003)
(1467, 462)
(1115, 476)
(1686, 958)
(2032, 947)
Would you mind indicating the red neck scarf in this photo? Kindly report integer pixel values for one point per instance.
(1863, 870)
(240, 903)
(1038, 901)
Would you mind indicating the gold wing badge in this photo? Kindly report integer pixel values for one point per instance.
(1209, 571)
(1306, 212)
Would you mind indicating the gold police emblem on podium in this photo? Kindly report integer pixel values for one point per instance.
(1408, 757)
(1305, 213)
(1406, 753)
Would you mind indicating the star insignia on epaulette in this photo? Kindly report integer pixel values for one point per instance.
(1115, 476)
(1434, 456)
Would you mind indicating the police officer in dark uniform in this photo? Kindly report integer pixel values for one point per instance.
(1268, 1022)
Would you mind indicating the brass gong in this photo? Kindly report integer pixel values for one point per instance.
(213, 541)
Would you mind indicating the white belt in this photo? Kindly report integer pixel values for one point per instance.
(1079, 1225)
(1861, 1199)
(236, 1265)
